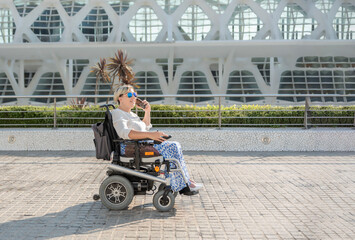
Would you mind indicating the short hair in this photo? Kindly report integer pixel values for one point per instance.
(121, 91)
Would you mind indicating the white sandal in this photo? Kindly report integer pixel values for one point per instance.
(197, 186)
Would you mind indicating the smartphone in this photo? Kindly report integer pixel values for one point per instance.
(140, 103)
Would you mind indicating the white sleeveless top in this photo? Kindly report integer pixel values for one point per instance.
(124, 122)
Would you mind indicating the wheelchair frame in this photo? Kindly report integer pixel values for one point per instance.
(129, 176)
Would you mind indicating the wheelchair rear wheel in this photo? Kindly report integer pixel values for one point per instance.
(116, 192)
(163, 205)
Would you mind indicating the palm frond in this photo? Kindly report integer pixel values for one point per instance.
(79, 103)
(100, 71)
(120, 66)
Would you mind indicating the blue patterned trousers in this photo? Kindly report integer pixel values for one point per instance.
(172, 149)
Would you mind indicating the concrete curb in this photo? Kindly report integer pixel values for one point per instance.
(191, 139)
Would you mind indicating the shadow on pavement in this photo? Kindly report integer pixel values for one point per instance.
(80, 219)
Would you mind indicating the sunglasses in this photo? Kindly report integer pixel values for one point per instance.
(130, 94)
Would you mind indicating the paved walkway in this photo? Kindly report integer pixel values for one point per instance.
(266, 195)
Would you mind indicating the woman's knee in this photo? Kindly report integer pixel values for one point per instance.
(175, 145)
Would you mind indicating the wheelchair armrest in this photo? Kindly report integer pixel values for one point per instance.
(137, 140)
(145, 139)
(130, 140)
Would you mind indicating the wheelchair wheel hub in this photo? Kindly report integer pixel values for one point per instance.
(116, 193)
(164, 201)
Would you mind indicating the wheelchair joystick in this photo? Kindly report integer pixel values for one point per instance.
(165, 137)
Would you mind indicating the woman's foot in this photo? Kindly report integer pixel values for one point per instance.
(195, 186)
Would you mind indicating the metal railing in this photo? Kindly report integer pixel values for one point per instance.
(213, 116)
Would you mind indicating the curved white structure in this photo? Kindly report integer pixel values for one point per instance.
(181, 47)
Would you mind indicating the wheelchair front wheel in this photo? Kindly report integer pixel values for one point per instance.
(163, 205)
(116, 192)
(162, 187)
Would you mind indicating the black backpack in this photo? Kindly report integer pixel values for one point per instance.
(104, 134)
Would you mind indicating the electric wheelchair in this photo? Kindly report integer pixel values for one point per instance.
(137, 175)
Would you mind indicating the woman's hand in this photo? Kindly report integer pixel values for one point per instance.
(147, 106)
(157, 136)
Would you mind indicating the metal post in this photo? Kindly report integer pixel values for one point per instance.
(219, 114)
(306, 113)
(55, 113)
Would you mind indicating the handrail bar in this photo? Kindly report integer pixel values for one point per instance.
(182, 95)
(306, 122)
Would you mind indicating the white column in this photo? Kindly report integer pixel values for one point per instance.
(21, 84)
(69, 89)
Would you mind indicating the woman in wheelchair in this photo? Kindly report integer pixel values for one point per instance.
(129, 126)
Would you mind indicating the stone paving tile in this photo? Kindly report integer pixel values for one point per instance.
(264, 195)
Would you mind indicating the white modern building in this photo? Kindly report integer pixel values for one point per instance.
(181, 47)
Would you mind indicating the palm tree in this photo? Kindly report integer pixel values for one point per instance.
(119, 67)
(101, 75)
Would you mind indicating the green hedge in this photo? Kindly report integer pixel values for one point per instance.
(190, 116)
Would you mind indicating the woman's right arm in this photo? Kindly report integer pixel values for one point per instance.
(158, 136)
(120, 123)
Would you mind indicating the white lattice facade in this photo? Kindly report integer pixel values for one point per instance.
(181, 47)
